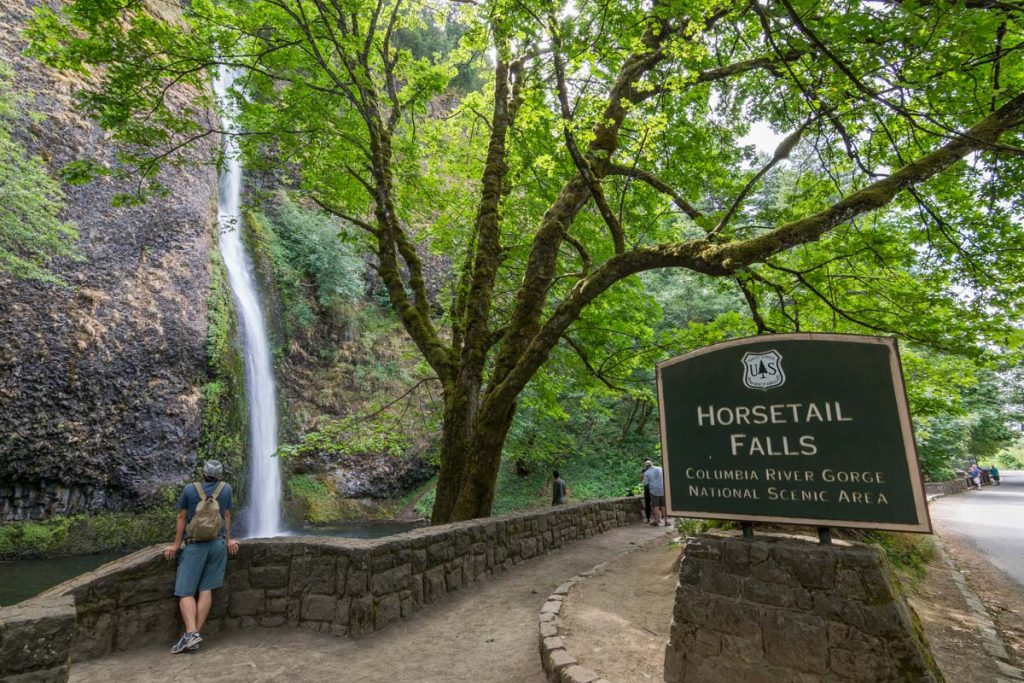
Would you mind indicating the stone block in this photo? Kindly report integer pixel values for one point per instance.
(703, 548)
(835, 607)
(453, 575)
(382, 560)
(405, 598)
(419, 560)
(558, 660)
(318, 608)
(246, 603)
(547, 630)
(391, 580)
(386, 610)
(860, 557)
(848, 585)
(578, 674)
(94, 636)
(361, 616)
(690, 570)
(434, 586)
(796, 641)
(770, 572)
(52, 675)
(552, 606)
(343, 611)
(773, 594)
(527, 548)
(861, 666)
(358, 582)
(237, 580)
(707, 643)
(814, 567)
(268, 576)
(270, 552)
(750, 650)
(691, 606)
(552, 643)
(722, 583)
(272, 621)
(438, 553)
(36, 636)
(144, 624)
(146, 589)
(732, 616)
(275, 606)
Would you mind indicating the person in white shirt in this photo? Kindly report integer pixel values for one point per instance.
(655, 479)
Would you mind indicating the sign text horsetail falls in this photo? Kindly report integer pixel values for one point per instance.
(796, 428)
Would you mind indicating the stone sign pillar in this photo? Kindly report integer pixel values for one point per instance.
(783, 609)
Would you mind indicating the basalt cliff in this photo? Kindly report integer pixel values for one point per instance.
(100, 378)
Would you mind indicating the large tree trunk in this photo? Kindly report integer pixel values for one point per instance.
(471, 448)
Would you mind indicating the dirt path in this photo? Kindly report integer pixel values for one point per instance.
(616, 622)
(1000, 593)
(485, 634)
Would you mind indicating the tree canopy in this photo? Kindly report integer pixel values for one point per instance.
(606, 140)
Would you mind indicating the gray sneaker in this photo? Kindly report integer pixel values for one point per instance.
(189, 641)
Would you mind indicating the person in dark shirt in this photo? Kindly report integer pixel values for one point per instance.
(202, 564)
(558, 490)
(647, 492)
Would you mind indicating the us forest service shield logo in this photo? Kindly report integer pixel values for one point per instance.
(763, 370)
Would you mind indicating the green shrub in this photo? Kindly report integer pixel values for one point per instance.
(909, 553)
(31, 232)
(87, 534)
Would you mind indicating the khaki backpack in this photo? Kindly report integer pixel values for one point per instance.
(206, 522)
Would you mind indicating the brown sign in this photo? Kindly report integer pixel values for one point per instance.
(796, 428)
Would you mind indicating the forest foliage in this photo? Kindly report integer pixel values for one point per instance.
(560, 155)
(32, 232)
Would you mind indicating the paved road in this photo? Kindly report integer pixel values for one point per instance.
(991, 519)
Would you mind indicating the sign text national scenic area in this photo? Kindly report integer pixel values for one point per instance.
(796, 428)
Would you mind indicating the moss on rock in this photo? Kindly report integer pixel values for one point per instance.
(224, 414)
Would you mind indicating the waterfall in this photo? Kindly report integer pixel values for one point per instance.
(264, 516)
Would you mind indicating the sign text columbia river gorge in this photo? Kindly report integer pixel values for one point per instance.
(799, 428)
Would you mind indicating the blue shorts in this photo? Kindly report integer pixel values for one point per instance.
(201, 567)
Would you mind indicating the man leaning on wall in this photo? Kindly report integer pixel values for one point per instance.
(204, 526)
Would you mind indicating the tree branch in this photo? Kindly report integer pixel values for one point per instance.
(657, 184)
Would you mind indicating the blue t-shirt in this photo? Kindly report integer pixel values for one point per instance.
(190, 499)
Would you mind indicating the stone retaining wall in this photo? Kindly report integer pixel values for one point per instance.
(947, 488)
(778, 609)
(344, 587)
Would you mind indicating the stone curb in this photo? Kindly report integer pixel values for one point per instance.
(560, 665)
(993, 643)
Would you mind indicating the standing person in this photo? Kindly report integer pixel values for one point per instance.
(204, 525)
(647, 491)
(993, 472)
(558, 490)
(655, 478)
(975, 475)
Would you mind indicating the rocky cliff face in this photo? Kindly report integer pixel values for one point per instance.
(100, 380)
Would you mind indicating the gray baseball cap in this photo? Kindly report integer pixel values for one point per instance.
(212, 469)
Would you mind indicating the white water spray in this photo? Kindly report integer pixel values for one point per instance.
(265, 485)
